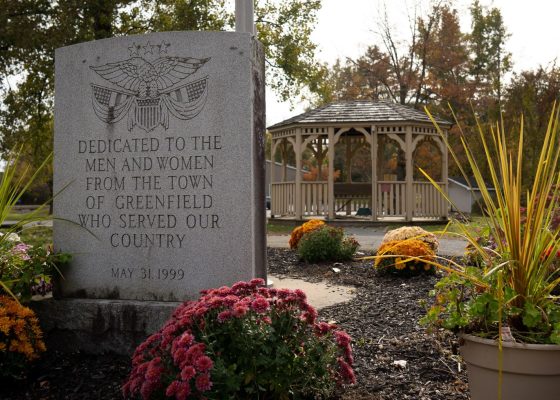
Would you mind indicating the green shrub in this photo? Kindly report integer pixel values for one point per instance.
(326, 244)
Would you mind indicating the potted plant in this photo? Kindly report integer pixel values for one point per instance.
(503, 305)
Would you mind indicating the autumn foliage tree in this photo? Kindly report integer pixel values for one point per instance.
(446, 68)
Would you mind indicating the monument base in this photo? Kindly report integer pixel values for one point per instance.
(99, 326)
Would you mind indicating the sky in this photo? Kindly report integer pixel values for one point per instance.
(346, 28)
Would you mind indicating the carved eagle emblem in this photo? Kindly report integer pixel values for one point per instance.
(147, 91)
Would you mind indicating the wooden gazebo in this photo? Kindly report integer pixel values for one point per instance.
(399, 139)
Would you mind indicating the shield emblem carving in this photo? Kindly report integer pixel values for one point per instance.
(147, 113)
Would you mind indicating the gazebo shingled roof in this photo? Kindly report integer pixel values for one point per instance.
(359, 111)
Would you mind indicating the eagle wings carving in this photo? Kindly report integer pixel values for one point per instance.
(147, 92)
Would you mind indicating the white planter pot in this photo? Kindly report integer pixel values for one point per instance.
(529, 371)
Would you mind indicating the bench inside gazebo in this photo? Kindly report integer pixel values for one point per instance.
(367, 156)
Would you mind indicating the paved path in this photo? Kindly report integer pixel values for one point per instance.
(319, 294)
(370, 239)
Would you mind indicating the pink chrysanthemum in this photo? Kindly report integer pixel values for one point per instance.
(239, 310)
(256, 282)
(180, 356)
(186, 339)
(183, 391)
(153, 373)
(203, 382)
(188, 373)
(194, 352)
(172, 388)
(260, 305)
(346, 371)
(224, 316)
(203, 363)
(342, 338)
(322, 328)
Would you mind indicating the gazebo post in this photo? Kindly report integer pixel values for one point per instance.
(298, 206)
(410, 200)
(284, 155)
(444, 175)
(373, 149)
(330, 181)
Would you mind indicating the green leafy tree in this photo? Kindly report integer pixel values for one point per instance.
(490, 60)
(30, 31)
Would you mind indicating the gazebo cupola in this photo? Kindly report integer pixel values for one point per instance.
(366, 157)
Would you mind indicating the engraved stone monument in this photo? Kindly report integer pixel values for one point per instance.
(158, 154)
(159, 161)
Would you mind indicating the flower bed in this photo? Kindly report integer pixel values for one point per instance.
(245, 341)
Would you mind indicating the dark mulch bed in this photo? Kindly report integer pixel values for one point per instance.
(382, 320)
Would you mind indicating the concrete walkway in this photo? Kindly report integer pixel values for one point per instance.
(319, 294)
(370, 239)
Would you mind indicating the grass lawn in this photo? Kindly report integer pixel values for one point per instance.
(475, 226)
(278, 229)
(17, 216)
(37, 235)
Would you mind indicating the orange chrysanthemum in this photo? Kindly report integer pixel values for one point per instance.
(19, 330)
(301, 230)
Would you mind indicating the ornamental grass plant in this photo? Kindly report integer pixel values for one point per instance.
(243, 342)
(21, 267)
(510, 289)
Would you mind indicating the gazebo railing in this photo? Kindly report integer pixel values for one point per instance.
(428, 201)
(390, 202)
(351, 204)
(283, 198)
(315, 197)
(351, 196)
(391, 199)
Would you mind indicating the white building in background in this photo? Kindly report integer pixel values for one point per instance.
(289, 171)
(463, 196)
